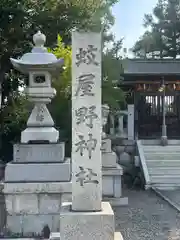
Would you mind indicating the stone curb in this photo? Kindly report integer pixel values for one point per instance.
(168, 200)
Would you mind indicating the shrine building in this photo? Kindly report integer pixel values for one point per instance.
(144, 80)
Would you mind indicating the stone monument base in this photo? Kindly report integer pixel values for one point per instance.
(38, 172)
(88, 225)
(56, 236)
(35, 153)
(31, 206)
(45, 134)
(112, 186)
(111, 176)
(36, 182)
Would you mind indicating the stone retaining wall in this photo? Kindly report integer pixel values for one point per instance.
(29, 208)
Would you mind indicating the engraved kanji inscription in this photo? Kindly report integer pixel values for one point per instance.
(89, 145)
(85, 85)
(86, 115)
(40, 114)
(87, 56)
(86, 176)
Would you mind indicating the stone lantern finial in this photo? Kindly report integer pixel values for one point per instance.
(39, 39)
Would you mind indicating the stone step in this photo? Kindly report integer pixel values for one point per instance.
(169, 179)
(164, 157)
(164, 170)
(161, 151)
(161, 148)
(159, 163)
(17, 238)
(166, 186)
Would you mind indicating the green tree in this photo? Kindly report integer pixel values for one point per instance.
(13, 119)
(18, 22)
(60, 106)
(20, 19)
(112, 69)
(162, 40)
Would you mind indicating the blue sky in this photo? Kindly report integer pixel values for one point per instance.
(129, 16)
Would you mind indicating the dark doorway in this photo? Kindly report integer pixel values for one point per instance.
(149, 116)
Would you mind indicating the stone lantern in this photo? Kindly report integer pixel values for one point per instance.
(37, 180)
(39, 64)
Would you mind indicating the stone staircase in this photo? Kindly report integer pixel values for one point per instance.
(161, 165)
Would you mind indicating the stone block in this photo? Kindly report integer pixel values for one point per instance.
(66, 197)
(38, 172)
(49, 203)
(9, 199)
(109, 159)
(125, 158)
(117, 202)
(112, 171)
(117, 186)
(25, 204)
(56, 236)
(49, 134)
(106, 145)
(107, 186)
(39, 152)
(28, 188)
(131, 122)
(15, 223)
(35, 223)
(56, 223)
(87, 225)
(111, 184)
(136, 161)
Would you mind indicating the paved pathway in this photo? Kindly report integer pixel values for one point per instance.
(147, 217)
(172, 196)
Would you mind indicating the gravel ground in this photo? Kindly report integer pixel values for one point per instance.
(147, 217)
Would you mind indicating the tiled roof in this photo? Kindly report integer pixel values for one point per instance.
(151, 67)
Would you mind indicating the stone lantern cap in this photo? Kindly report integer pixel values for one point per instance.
(38, 58)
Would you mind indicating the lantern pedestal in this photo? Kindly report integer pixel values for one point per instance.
(40, 125)
(44, 134)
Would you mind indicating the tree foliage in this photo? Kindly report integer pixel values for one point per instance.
(19, 20)
(60, 106)
(163, 36)
(112, 69)
(13, 119)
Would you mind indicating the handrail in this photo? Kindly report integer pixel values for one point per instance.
(143, 162)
